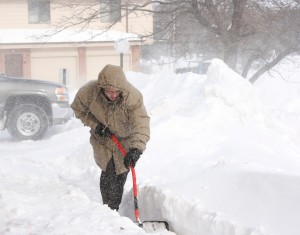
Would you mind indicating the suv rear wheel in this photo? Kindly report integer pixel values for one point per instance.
(27, 122)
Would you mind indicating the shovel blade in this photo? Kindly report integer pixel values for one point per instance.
(154, 226)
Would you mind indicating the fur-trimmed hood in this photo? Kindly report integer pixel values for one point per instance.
(113, 76)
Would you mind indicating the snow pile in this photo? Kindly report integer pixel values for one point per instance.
(231, 94)
(219, 162)
(221, 151)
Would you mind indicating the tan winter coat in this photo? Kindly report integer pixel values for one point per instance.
(126, 117)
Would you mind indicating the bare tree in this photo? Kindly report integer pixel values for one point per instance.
(247, 34)
(254, 34)
(277, 36)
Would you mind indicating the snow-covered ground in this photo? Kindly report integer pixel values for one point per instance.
(223, 159)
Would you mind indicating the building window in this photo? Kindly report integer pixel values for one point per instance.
(110, 11)
(38, 11)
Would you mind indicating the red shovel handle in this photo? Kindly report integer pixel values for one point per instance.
(135, 193)
(120, 147)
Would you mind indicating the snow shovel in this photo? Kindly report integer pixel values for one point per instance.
(148, 226)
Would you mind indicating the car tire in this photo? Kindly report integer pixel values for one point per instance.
(27, 122)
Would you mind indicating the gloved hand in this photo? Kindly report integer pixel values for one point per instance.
(102, 130)
(132, 157)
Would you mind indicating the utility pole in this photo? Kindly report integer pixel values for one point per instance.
(126, 17)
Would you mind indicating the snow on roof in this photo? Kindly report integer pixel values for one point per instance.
(21, 36)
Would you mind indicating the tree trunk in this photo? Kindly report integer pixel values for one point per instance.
(248, 66)
(232, 35)
(230, 53)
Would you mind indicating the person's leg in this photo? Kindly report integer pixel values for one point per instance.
(117, 189)
(112, 186)
(105, 180)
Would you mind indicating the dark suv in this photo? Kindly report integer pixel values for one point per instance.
(28, 107)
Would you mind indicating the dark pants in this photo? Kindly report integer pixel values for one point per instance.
(112, 186)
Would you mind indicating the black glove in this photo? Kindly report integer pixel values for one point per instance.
(103, 130)
(132, 157)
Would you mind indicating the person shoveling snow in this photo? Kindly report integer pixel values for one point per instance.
(111, 106)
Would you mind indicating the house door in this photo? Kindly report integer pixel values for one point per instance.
(14, 65)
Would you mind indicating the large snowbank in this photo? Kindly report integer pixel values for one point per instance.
(219, 162)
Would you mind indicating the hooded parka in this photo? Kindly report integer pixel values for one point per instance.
(126, 117)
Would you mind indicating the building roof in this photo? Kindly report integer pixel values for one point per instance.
(29, 36)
